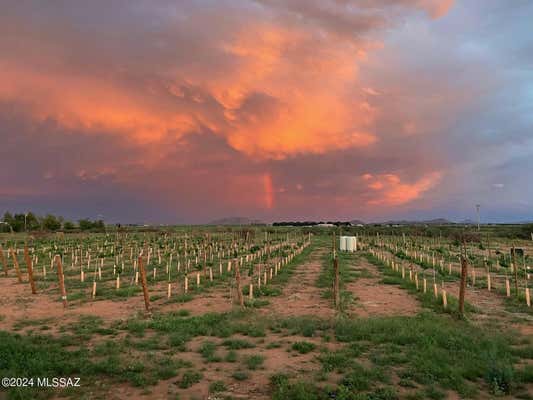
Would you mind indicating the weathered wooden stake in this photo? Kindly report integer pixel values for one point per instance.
(515, 267)
(144, 284)
(336, 293)
(239, 289)
(16, 264)
(30, 270)
(462, 288)
(528, 298)
(61, 280)
(94, 289)
(507, 287)
(251, 292)
(444, 299)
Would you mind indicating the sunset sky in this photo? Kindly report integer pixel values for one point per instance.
(187, 111)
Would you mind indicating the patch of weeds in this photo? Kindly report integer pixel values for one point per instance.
(189, 378)
(339, 360)
(434, 349)
(273, 345)
(217, 386)
(256, 303)
(303, 347)
(231, 356)
(208, 350)
(236, 344)
(240, 375)
(254, 361)
(500, 378)
(283, 389)
(304, 326)
(384, 393)
(431, 392)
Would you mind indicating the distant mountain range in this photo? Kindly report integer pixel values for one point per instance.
(436, 221)
(236, 221)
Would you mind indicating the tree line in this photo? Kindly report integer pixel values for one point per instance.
(27, 222)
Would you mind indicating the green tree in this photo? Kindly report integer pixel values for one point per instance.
(68, 226)
(32, 222)
(51, 223)
(85, 224)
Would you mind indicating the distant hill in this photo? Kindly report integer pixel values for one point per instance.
(236, 221)
(357, 222)
(436, 221)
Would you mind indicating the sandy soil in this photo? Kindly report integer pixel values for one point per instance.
(301, 296)
(376, 299)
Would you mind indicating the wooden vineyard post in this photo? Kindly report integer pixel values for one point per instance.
(336, 294)
(238, 282)
(528, 298)
(61, 280)
(507, 287)
(251, 292)
(444, 299)
(515, 269)
(30, 270)
(16, 264)
(3, 261)
(462, 288)
(144, 284)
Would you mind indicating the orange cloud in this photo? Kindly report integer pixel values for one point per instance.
(437, 8)
(271, 87)
(86, 103)
(391, 191)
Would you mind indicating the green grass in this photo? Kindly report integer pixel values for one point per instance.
(208, 350)
(217, 386)
(254, 361)
(240, 375)
(237, 344)
(231, 356)
(189, 378)
(303, 347)
(453, 354)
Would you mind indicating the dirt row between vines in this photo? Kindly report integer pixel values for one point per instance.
(375, 299)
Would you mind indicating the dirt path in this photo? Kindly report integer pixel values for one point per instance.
(373, 298)
(301, 296)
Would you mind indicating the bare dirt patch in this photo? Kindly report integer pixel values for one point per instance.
(301, 296)
(377, 299)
